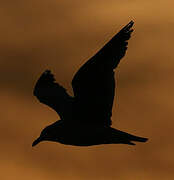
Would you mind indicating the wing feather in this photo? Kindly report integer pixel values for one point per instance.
(94, 83)
(52, 94)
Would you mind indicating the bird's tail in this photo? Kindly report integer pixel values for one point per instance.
(136, 138)
(127, 138)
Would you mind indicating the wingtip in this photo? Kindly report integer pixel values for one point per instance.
(130, 24)
(45, 78)
(47, 71)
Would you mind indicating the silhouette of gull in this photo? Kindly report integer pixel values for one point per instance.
(86, 117)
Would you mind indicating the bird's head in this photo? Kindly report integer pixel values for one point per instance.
(47, 134)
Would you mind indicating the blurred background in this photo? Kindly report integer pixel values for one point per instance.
(61, 35)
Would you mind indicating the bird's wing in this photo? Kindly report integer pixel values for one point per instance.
(52, 94)
(94, 84)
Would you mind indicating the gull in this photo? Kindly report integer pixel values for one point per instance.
(85, 118)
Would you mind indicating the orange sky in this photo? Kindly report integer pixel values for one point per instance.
(61, 35)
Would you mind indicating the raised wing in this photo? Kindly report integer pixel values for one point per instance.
(52, 94)
(94, 84)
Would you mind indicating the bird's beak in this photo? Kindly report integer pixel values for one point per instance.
(38, 140)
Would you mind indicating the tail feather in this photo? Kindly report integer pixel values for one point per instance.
(126, 138)
(138, 139)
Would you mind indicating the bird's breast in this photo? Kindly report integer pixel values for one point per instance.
(83, 136)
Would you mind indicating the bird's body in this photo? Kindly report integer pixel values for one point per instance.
(88, 136)
(86, 117)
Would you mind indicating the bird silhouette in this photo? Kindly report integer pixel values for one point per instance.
(86, 117)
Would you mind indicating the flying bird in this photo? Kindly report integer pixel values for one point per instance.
(85, 118)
